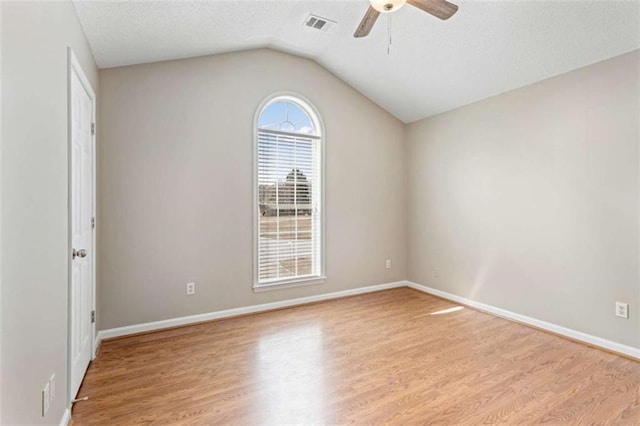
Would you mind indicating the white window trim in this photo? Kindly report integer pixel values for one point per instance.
(296, 281)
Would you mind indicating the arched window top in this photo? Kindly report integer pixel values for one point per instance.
(289, 114)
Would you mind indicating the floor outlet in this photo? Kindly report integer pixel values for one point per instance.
(622, 310)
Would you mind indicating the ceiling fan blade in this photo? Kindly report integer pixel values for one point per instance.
(367, 22)
(439, 8)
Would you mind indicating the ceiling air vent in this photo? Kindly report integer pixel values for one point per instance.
(322, 24)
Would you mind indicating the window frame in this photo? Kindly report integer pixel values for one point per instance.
(316, 119)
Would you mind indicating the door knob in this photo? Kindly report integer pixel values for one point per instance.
(79, 253)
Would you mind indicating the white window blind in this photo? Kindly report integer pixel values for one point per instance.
(289, 196)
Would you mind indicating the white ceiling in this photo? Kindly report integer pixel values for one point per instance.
(487, 48)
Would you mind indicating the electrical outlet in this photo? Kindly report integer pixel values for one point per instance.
(622, 310)
(52, 387)
(46, 399)
(387, 264)
(191, 288)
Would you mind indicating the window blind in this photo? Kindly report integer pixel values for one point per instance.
(289, 203)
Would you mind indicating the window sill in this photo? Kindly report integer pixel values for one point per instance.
(300, 282)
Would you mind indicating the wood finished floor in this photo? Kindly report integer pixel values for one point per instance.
(388, 357)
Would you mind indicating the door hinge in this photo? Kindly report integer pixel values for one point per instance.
(93, 222)
(93, 128)
(93, 317)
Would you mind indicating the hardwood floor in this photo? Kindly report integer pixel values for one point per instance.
(395, 357)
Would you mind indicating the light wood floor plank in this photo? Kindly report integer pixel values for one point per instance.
(389, 357)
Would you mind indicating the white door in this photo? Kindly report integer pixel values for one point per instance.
(81, 300)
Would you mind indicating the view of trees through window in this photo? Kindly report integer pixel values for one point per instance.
(285, 220)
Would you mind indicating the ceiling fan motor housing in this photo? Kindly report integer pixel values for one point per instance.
(439, 8)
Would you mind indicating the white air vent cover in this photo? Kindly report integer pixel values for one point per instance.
(322, 24)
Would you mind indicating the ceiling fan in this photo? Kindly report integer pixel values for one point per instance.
(439, 8)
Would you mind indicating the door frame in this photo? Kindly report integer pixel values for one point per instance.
(73, 67)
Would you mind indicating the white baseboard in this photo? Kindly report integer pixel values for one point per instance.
(66, 416)
(192, 319)
(96, 344)
(159, 325)
(567, 332)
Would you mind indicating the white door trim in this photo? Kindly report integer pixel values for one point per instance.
(73, 67)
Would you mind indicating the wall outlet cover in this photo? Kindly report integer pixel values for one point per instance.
(46, 399)
(52, 387)
(622, 310)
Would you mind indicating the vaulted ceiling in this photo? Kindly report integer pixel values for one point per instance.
(487, 48)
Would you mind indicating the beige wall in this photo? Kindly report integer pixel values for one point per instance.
(175, 184)
(1, 213)
(34, 180)
(529, 200)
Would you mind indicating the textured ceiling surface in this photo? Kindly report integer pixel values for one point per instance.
(487, 48)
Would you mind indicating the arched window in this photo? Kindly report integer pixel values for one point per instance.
(289, 193)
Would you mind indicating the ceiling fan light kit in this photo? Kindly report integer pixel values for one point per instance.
(439, 8)
(387, 6)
